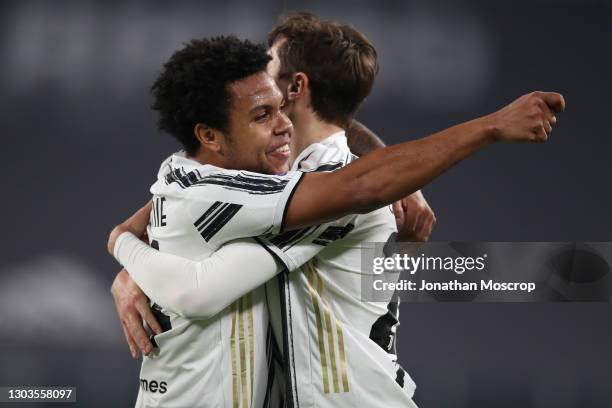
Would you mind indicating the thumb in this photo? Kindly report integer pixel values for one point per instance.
(554, 100)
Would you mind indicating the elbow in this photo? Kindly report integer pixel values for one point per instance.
(185, 305)
(112, 238)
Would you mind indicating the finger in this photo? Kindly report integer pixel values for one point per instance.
(411, 215)
(421, 227)
(405, 233)
(428, 228)
(419, 222)
(554, 100)
(540, 133)
(548, 114)
(130, 342)
(398, 211)
(148, 316)
(547, 127)
(138, 333)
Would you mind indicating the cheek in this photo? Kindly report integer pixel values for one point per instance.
(260, 137)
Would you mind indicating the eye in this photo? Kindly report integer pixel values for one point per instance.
(262, 117)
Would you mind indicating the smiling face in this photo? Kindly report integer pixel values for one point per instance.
(259, 132)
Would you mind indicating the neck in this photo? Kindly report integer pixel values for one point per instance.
(308, 129)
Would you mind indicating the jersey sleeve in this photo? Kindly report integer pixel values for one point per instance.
(196, 290)
(229, 205)
(295, 248)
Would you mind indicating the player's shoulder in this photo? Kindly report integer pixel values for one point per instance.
(224, 181)
(329, 154)
(183, 176)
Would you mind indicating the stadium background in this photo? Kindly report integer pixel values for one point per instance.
(80, 150)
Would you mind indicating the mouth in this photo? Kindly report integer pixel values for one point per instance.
(280, 155)
(282, 149)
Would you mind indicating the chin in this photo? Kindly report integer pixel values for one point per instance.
(281, 170)
(278, 167)
(275, 166)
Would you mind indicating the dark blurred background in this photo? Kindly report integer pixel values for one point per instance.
(81, 149)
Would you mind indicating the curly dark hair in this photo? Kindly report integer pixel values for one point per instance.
(340, 63)
(193, 85)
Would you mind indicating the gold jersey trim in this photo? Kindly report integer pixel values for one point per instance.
(327, 321)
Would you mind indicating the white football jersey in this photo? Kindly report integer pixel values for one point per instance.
(339, 350)
(222, 361)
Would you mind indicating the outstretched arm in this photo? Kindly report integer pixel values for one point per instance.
(388, 174)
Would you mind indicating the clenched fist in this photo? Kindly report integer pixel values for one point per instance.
(530, 118)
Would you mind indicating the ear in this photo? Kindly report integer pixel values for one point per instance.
(298, 86)
(209, 138)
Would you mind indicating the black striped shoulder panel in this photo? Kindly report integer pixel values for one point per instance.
(330, 165)
(248, 183)
(182, 178)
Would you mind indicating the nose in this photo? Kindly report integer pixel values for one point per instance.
(284, 124)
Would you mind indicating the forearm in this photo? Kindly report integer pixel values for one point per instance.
(384, 176)
(196, 289)
(389, 174)
(136, 224)
(362, 140)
